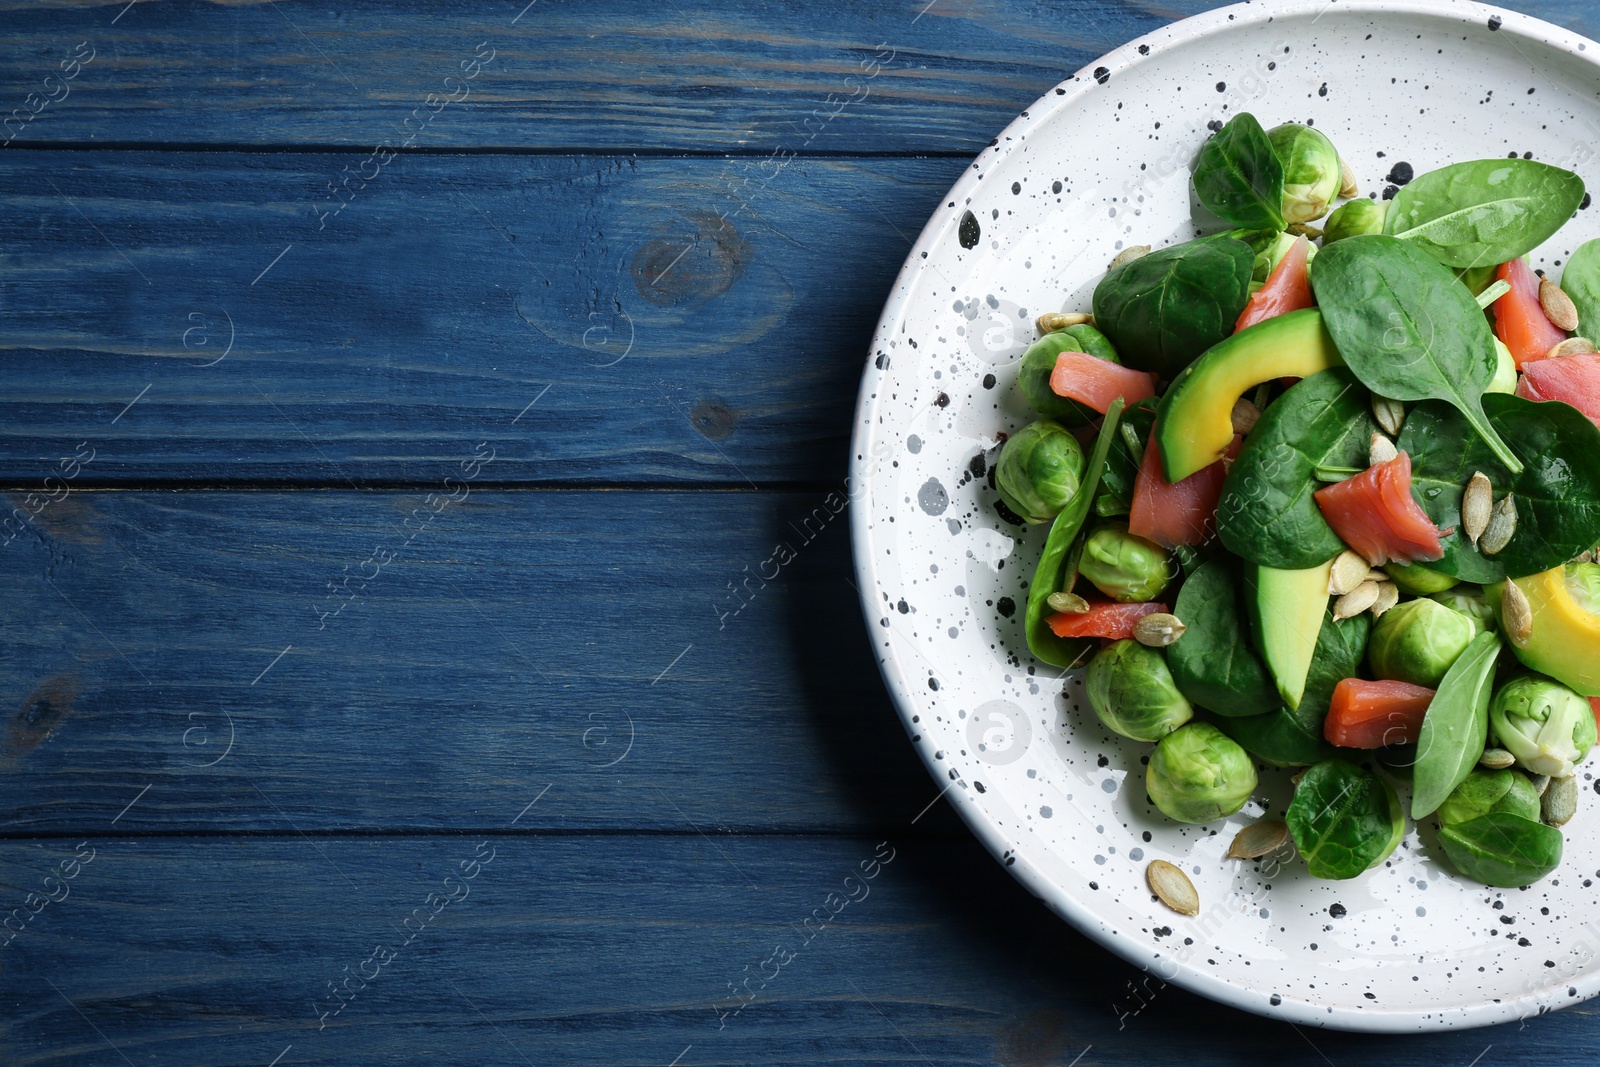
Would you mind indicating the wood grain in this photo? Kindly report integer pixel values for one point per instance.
(665, 328)
(514, 640)
(722, 76)
(616, 950)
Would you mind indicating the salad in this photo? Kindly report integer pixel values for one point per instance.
(1325, 496)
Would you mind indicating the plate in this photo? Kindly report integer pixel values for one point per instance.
(1099, 163)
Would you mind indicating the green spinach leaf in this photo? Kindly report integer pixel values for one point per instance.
(1557, 491)
(1580, 279)
(1213, 663)
(1445, 453)
(1485, 211)
(1124, 459)
(1344, 820)
(1455, 727)
(1163, 309)
(1267, 514)
(1058, 561)
(1293, 737)
(1502, 849)
(1239, 178)
(1407, 328)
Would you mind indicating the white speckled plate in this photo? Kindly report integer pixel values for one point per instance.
(1100, 162)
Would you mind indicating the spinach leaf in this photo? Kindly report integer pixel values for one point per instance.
(1485, 211)
(1455, 727)
(1557, 492)
(1581, 280)
(1502, 849)
(1123, 461)
(1267, 514)
(1445, 453)
(1293, 737)
(1344, 820)
(1058, 560)
(1163, 309)
(1407, 328)
(1212, 662)
(1239, 178)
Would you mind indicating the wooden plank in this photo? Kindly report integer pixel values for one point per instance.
(596, 321)
(884, 77)
(515, 640)
(606, 951)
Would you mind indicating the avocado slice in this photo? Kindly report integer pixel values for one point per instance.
(1195, 422)
(1286, 613)
(1565, 634)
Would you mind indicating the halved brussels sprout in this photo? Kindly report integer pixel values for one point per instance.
(1545, 725)
(1198, 774)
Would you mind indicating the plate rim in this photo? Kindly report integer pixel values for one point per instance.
(1064, 95)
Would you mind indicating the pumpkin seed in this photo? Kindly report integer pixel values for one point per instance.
(1477, 505)
(1572, 346)
(1381, 451)
(1496, 759)
(1541, 784)
(1391, 414)
(1502, 525)
(1349, 571)
(1258, 839)
(1586, 556)
(1516, 614)
(1129, 254)
(1070, 603)
(1304, 229)
(1355, 602)
(1052, 321)
(1348, 187)
(1245, 415)
(1158, 630)
(1173, 887)
(1558, 306)
(1388, 597)
(1560, 801)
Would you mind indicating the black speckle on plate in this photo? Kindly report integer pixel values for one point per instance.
(969, 231)
(1400, 173)
(1102, 75)
(1495, 22)
(1389, 191)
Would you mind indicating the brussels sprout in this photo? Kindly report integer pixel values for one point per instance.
(1545, 725)
(1583, 580)
(1198, 774)
(1133, 693)
(1505, 373)
(1124, 566)
(1039, 470)
(1354, 219)
(1417, 579)
(1344, 820)
(1311, 176)
(1418, 641)
(1470, 601)
(1268, 257)
(1486, 791)
(1039, 361)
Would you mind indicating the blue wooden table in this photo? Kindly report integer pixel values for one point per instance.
(396, 396)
